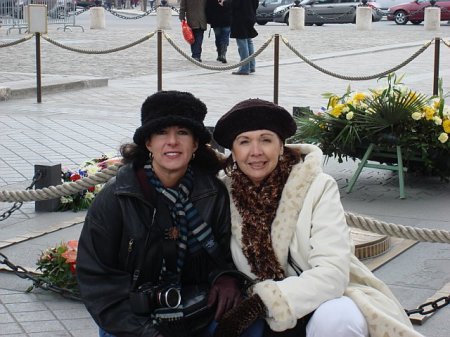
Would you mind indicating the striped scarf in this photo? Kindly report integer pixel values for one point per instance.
(194, 232)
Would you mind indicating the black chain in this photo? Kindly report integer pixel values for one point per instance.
(38, 282)
(423, 309)
(433, 306)
(19, 204)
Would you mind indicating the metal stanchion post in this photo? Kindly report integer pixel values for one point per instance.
(38, 68)
(159, 55)
(37, 24)
(437, 44)
(164, 15)
(276, 66)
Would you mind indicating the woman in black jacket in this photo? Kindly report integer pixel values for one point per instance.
(219, 17)
(162, 223)
(243, 19)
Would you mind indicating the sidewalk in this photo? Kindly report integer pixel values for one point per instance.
(69, 127)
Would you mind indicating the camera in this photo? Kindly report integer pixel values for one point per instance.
(148, 297)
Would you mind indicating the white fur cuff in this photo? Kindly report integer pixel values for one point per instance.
(279, 314)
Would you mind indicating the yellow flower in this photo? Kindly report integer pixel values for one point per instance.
(429, 112)
(436, 103)
(446, 125)
(337, 110)
(357, 98)
(443, 137)
(416, 116)
(333, 101)
(412, 95)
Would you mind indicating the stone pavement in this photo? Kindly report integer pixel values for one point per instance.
(71, 126)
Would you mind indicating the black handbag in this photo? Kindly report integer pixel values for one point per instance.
(196, 312)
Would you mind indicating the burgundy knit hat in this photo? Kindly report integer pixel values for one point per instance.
(250, 115)
(172, 108)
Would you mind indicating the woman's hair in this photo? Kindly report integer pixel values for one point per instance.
(205, 157)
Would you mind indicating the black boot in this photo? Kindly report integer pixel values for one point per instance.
(219, 52)
(224, 48)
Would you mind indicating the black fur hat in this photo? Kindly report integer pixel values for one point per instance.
(170, 108)
(253, 114)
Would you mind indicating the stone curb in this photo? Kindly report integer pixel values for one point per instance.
(49, 84)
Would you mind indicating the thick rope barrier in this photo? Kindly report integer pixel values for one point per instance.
(357, 78)
(107, 51)
(399, 231)
(447, 43)
(13, 43)
(65, 189)
(221, 68)
(353, 220)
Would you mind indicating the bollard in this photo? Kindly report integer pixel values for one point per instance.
(164, 16)
(363, 18)
(432, 19)
(50, 176)
(297, 18)
(97, 15)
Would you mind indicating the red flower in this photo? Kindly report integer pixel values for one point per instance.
(71, 253)
(75, 177)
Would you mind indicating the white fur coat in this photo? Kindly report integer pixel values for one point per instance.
(310, 224)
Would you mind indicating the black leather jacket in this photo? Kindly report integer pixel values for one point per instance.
(112, 244)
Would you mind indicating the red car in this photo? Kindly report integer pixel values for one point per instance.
(415, 11)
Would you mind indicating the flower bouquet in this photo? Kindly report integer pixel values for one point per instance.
(58, 268)
(83, 199)
(390, 116)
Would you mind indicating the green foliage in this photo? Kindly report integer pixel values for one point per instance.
(390, 116)
(58, 267)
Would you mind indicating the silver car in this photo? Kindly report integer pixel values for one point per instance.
(319, 12)
(264, 12)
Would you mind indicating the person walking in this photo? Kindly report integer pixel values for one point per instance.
(219, 17)
(243, 19)
(159, 228)
(194, 12)
(290, 235)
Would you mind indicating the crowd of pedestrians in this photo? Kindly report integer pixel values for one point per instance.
(228, 18)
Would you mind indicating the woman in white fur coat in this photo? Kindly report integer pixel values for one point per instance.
(290, 235)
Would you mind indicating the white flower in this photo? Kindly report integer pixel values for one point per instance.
(437, 120)
(403, 90)
(66, 200)
(349, 115)
(443, 137)
(91, 169)
(416, 116)
(89, 196)
(446, 110)
(345, 109)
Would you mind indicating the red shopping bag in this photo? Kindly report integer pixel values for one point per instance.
(187, 32)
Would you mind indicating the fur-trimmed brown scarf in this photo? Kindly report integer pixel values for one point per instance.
(257, 206)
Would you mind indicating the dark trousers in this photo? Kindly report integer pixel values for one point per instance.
(196, 47)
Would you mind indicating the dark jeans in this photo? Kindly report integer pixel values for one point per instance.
(196, 47)
(222, 35)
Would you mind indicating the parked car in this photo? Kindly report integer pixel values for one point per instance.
(318, 12)
(264, 12)
(415, 11)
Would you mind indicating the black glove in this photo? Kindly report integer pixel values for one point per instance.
(225, 293)
(235, 321)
